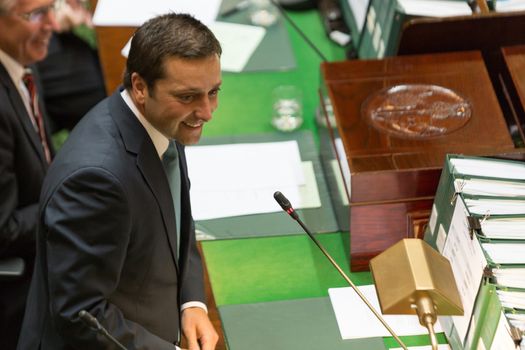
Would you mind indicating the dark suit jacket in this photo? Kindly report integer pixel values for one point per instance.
(22, 170)
(108, 241)
(72, 79)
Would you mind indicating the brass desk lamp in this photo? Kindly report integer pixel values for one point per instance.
(413, 278)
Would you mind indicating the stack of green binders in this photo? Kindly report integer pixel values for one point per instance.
(478, 223)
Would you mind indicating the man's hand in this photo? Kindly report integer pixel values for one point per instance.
(198, 330)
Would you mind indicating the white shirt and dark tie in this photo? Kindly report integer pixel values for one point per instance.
(167, 151)
(24, 81)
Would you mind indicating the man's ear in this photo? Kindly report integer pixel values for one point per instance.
(139, 88)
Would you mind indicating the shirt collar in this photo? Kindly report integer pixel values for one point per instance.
(14, 69)
(160, 141)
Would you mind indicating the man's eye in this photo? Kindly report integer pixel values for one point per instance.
(186, 98)
(214, 92)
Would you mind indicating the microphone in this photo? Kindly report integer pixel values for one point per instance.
(287, 207)
(90, 321)
(285, 204)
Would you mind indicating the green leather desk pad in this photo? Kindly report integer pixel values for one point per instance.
(307, 324)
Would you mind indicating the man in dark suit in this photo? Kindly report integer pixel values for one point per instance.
(25, 150)
(116, 233)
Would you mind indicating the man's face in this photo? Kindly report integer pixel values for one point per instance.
(26, 38)
(182, 101)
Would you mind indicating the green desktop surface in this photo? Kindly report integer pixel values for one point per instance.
(290, 324)
(251, 276)
(245, 98)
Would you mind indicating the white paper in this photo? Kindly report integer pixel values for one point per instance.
(492, 206)
(245, 166)
(487, 167)
(433, 219)
(240, 179)
(510, 5)
(502, 339)
(489, 187)
(513, 277)
(504, 228)
(435, 8)
(505, 253)
(343, 161)
(207, 204)
(135, 13)
(467, 261)
(512, 299)
(359, 8)
(516, 320)
(334, 164)
(238, 42)
(355, 320)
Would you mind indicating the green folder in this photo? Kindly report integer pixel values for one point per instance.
(487, 320)
(301, 324)
(385, 22)
(446, 195)
(485, 317)
(319, 220)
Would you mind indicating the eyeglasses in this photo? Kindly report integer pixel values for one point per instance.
(38, 14)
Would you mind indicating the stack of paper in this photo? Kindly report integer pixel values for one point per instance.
(355, 320)
(478, 222)
(240, 179)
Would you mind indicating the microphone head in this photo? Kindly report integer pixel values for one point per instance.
(285, 204)
(282, 200)
(89, 320)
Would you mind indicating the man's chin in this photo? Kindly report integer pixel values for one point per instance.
(36, 56)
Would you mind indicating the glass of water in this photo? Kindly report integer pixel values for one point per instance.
(287, 107)
(262, 13)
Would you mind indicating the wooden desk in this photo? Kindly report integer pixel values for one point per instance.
(111, 40)
(514, 57)
(394, 177)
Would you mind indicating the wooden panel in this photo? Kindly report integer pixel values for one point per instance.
(384, 166)
(374, 228)
(514, 57)
(111, 40)
(393, 176)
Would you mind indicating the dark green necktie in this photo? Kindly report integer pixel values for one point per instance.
(170, 161)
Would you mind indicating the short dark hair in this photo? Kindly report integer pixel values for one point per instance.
(170, 35)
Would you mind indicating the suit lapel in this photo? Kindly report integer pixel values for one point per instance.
(21, 112)
(137, 141)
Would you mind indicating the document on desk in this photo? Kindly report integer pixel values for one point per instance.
(467, 262)
(435, 8)
(240, 179)
(121, 13)
(238, 42)
(355, 320)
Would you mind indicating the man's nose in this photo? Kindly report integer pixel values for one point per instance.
(206, 109)
(49, 21)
